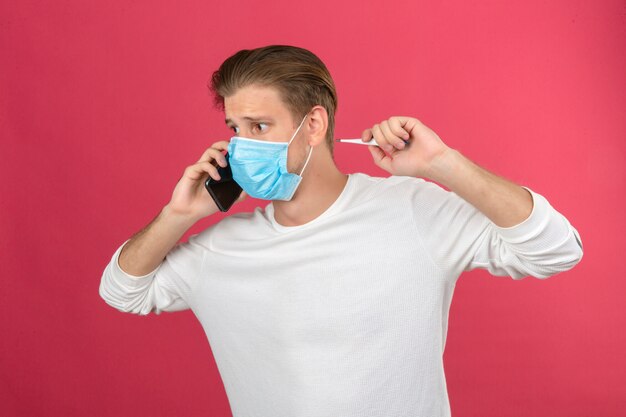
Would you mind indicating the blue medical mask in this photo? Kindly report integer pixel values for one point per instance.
(260, 167)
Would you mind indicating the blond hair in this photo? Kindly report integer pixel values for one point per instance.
(301, 78)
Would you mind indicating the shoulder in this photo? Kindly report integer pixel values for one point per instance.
(419, 196)
(400, 187)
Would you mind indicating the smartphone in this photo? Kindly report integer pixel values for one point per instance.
(225, 191)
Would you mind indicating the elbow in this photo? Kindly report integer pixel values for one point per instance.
(566, 259)
(572, 252)
(548, 264)
(139, 307)
(575, 256)
(118, 297)
(107, 292)
(548, 271)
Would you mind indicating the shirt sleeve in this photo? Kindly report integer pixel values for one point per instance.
(461, 238)
(167, 288)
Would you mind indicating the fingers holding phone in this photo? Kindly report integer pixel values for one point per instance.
(215, 154)
(222, 187)
(190, 198)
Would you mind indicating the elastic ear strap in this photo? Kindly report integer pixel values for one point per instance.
(297, 130)
(307, 160)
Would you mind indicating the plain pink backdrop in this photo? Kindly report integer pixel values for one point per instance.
(103, 104)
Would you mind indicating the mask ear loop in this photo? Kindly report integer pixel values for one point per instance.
(297, 130)
(310, 151)
(307, 160)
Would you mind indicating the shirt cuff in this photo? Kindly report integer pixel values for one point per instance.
(128, 280)
(538, 220)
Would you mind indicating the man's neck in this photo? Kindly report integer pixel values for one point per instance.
(317, 191)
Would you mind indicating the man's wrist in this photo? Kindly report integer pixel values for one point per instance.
(175, 219)
(445, 167)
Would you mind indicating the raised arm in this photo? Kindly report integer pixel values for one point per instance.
(130, 282)
(190, 202)
(413, 149)
(505, 228)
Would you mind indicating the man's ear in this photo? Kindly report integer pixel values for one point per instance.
(317, 125)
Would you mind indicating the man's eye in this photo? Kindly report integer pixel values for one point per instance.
(235, 129)
(261, 127)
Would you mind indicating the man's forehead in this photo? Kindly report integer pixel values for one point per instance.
(254, 103)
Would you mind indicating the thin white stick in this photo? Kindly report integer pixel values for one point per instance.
(357, 142)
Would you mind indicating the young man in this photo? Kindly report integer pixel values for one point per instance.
(333, 299)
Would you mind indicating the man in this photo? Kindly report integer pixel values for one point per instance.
(333, 299)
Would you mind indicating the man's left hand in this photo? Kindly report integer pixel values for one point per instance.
(406, 146)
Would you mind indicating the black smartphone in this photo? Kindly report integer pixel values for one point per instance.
(225, 191)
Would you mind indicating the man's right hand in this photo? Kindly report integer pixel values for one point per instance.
(190, 202)
(190, 198)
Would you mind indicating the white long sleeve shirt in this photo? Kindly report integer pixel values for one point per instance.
(346, 315)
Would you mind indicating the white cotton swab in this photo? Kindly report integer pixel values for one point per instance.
(360, 141)
(357, 142)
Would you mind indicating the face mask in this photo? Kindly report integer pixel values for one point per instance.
(260, 167)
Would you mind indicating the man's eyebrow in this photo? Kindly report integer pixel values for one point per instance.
(250, 119)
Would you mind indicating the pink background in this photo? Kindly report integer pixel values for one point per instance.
(102, 105)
